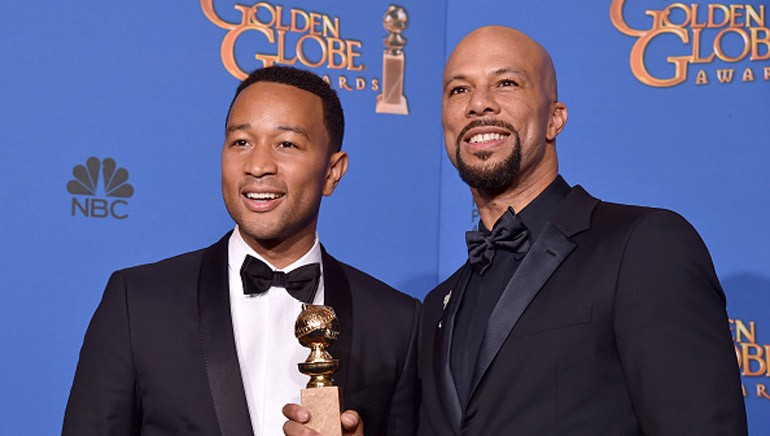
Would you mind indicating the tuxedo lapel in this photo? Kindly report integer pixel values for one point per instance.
(442, 345)
(548, 252)
(218, 342)
(337, 294)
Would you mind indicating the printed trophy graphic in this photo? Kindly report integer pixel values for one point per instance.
(316, 328)
(392, 99)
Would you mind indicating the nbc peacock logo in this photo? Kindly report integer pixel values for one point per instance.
(94, 200)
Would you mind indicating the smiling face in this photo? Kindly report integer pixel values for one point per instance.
(500, 113)
(276, 166)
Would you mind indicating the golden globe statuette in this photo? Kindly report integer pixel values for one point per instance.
(316, 328)
(392, 100)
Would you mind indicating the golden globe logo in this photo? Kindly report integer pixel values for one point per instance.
(753, 357)
(703, 32)
(292, 36)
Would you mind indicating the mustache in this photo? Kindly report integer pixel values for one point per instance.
(489, 122)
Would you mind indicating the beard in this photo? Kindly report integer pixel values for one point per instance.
(492, 178)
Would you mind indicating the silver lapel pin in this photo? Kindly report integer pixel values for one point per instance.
(447, 297)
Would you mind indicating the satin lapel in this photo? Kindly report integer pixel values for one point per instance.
(337, 294)
(442, 345)
(218, 343)
(545, 256)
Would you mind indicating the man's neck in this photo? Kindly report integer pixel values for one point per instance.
(491, 206)
(283, 253)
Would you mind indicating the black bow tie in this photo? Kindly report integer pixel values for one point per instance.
(301, 283)
(509, 233)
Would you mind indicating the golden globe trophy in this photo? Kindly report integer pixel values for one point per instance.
(316, 328)
(392, 100)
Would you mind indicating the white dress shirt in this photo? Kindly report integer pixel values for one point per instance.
(268, 352)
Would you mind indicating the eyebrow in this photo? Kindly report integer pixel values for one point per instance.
(497, 72)
(235, 127)
(296, 129)
(509, 70)
(282, 128)
(453, 78)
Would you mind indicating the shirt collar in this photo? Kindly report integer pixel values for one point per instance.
(537, 213)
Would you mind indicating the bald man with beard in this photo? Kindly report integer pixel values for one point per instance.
(572, 316)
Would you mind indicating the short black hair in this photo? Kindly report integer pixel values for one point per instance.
(334, 118)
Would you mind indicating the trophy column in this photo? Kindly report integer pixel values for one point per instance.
(316, 328)
(392, 99)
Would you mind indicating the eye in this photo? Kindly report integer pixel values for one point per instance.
(507, 82)
(458, 90)
(287, 144)
(240, 143)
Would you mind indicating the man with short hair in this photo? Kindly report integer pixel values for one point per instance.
(572, 316)
(203, 343)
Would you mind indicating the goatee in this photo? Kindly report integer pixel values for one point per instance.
(494, 178)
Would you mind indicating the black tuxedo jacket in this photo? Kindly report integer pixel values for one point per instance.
(613, 324)
(159, 356)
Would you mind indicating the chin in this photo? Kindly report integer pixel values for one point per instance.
(258, 232)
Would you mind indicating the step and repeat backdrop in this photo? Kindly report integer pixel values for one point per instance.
(113, 121)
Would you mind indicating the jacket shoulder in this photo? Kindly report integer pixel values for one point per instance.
(371, 287)
(180, 272)
(581, 211)
(176, 262)
(174, 272)
(631, 218)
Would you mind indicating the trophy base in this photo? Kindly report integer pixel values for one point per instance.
(399, 108)
(324, 407)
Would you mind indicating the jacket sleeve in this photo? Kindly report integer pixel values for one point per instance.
(402, 417)
(103, 400)
(673, 335)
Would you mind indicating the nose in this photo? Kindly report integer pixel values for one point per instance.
(482, 102)
(261, 161)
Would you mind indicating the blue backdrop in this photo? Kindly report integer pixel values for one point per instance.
(143, 88)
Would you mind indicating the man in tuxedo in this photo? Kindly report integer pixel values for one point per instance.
(203, 343)
(572, 316)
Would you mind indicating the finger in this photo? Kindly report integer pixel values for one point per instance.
(352, 423)
(350, 419)
(293, 428)
(295, 412)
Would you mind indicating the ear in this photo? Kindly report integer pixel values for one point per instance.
(338, 164)
(557, 121)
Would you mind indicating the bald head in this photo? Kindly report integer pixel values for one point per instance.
(488, 44)
(501, 115)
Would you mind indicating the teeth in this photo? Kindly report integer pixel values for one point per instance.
(484, 137)
(262, 195)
